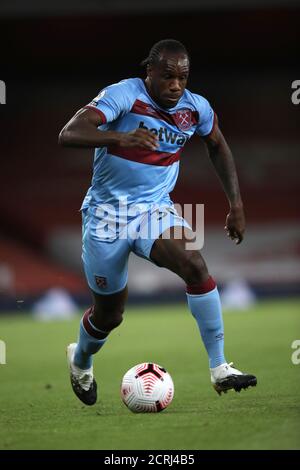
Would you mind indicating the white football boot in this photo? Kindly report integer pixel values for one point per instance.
(82, 380)
(225, 377)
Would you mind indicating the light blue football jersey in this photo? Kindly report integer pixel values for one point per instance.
(138, 176)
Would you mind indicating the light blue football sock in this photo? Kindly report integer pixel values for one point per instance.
(206, 308)
(87, 344)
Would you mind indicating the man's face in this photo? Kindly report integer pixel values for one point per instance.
(167, 79)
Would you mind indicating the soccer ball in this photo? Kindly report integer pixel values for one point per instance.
(147, 388)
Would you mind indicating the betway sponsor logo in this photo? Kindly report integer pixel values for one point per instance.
(164, 135)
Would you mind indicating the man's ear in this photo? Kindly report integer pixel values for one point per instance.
(149, 71)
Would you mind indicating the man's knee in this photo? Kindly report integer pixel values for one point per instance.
(108, 310)
(114, 320)
(108, 319)
(193, 268)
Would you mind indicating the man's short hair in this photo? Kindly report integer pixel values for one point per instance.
(169, 45)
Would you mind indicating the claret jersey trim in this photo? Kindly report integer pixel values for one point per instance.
(184, 119)
(145, 156)
(98, 111)
(215, 120)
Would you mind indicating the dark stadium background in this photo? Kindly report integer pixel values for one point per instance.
(56, 57)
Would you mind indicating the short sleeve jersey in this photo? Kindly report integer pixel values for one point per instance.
(133, 174)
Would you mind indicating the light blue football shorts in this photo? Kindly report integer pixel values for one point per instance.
(108, 239)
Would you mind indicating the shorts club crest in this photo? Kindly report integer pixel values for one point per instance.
(101, 281)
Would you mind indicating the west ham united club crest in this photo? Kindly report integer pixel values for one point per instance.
(101, 281)
(183, 119)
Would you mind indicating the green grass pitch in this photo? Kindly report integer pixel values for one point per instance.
(39, 411)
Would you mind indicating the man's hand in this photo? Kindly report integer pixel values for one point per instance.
(235, 224)
(141, 138)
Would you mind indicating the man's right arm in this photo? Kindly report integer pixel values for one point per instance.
(82, 131)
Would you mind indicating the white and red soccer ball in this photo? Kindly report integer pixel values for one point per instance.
(147, 388)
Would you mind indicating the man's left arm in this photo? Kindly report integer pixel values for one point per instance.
(223, 162)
